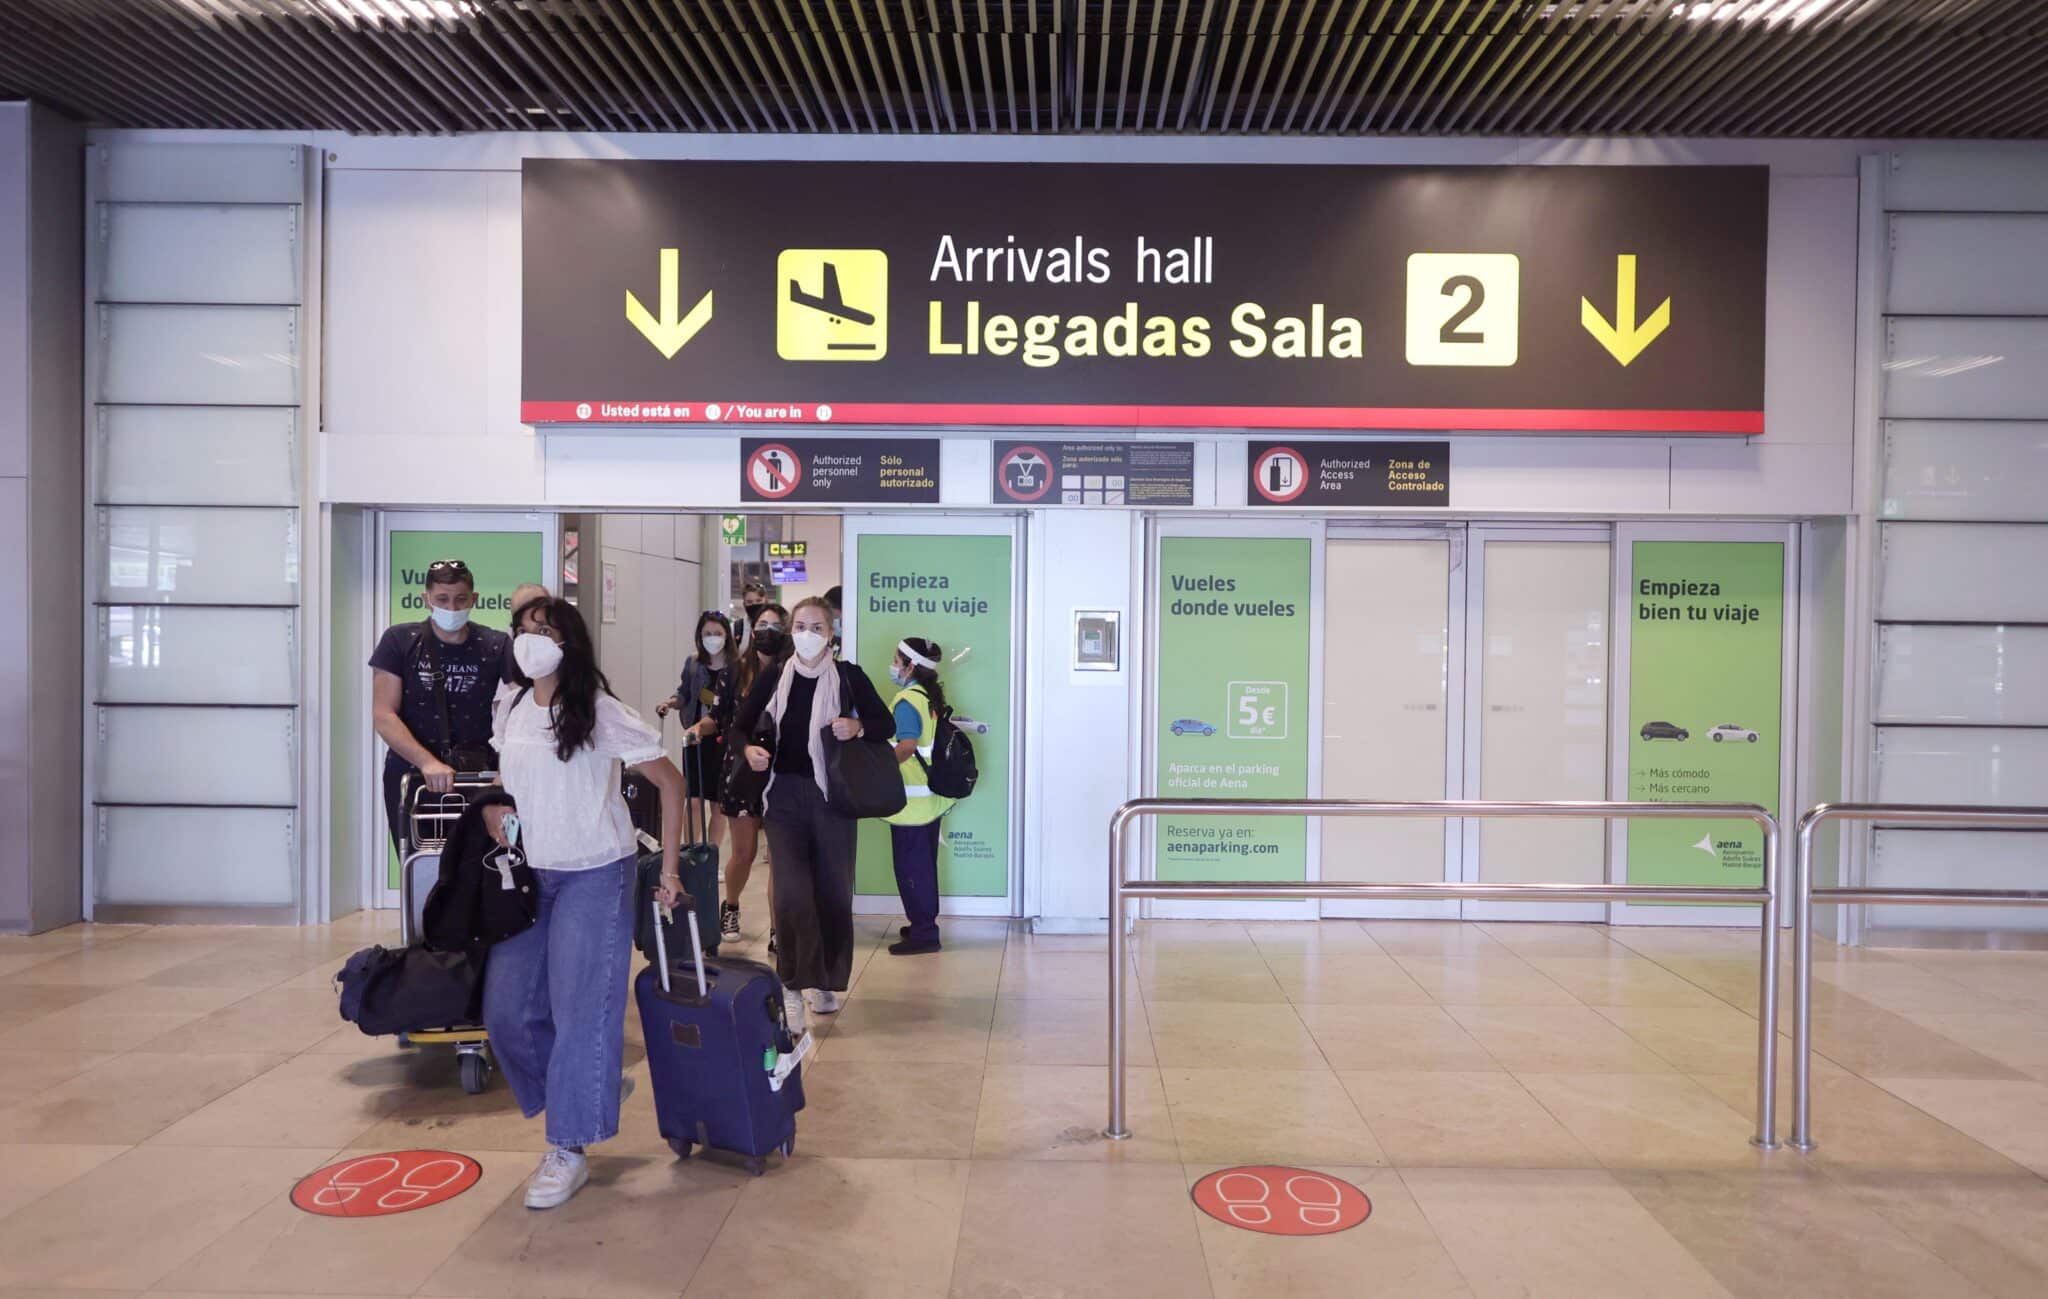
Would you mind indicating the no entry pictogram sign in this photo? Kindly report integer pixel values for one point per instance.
(1282, 1201)
(371, 1186)
(774, 471)
(1280, 475)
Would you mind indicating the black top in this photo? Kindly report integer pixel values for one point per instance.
(857, 698)
(472, 669)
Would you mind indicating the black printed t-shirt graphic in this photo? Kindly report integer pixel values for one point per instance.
(474, 669)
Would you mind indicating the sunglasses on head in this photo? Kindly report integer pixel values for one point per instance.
(442, 570)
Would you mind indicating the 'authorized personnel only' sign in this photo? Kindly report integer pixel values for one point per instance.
(1531, 299)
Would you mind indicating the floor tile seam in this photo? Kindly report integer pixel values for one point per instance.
(47, 1192)
(330, 1158)
(1195, 1215)
(1436, 1231)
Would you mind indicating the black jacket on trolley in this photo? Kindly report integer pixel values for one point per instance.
(485, 893)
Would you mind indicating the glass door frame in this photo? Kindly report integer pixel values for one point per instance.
(548, 522)
(1472, 861)
(854, 525)
(1626, 535)
(1227, 526)
(1456, 612)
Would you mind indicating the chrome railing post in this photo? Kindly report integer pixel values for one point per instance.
(1802, 978)
(1767, 990)
(1118, 1129)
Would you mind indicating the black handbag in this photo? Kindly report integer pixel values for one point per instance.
(388, 990)
(862, 777)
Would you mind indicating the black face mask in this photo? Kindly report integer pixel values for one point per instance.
(768, 640)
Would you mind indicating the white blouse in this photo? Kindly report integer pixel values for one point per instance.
(572, 816)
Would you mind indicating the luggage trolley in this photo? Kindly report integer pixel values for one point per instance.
(429, 817)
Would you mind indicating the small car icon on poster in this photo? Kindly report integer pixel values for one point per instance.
(1731, 731)
(1189, 726)
(1664, 731)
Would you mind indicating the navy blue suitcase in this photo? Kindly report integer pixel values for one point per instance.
(727, 1073)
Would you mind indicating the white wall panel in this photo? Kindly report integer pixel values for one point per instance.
(620, 470)
(195, 856)
(199, 252)
(1575, 475)
(1945, 367)
(214, 455)
(171, 654)
(198, 755)
(378, 469)
(1960, 859)
(1994, 470)
(175, 555)
(1810, 317)
(195, 356)
(1950, 764)
(1986, 178)
(201, 173)
(1964, 572)
(1984, 676)
(407, 295)
(1760, 477)
(1969, 264)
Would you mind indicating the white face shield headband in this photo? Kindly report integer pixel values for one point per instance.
(912, 656)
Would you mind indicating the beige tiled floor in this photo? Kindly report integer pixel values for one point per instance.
(1533, 1110)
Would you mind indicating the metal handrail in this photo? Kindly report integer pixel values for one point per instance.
(1122, 889)
(1918, 816)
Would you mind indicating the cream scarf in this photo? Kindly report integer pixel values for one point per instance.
(824, 708)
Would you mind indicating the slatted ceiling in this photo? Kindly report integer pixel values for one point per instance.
(1783, 68)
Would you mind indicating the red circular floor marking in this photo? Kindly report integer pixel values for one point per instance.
(1282, 1201)
(370, 1186)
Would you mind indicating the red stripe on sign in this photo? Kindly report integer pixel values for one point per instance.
(1737, 423)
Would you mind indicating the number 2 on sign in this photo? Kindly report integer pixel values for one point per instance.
(1464, 309)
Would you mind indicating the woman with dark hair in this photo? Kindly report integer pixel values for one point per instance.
(914, 832)
(704, 703)
(810, 699)
(767, 644)
(554, 996)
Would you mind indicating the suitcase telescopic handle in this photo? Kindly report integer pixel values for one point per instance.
(661, 950)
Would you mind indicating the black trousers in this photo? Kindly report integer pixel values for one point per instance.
(917, 877)
(813, 849)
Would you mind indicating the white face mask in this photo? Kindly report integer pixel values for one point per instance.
(536, 655)
(449, 619)
(714, 644)
(809, 644)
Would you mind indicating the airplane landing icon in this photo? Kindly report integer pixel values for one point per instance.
(846, 319)
(833, 303)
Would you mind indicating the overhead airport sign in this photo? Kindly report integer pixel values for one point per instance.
(1524, 299)
(1340, 475)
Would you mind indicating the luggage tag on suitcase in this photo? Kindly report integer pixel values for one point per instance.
(666, 913)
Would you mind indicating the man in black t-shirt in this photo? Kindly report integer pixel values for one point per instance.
(433, 684)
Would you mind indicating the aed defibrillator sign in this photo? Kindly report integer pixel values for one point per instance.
(1519, 299)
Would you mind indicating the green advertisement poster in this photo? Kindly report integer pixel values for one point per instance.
(1233, 702)
(1706, 661)
(499, 560)
(954, 590)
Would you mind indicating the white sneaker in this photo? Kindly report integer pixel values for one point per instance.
(561, 1174)
(822, 1001)
(793, 1012)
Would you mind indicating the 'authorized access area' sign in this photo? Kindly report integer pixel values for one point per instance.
(1606, 299)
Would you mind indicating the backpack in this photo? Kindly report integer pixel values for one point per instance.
(952, 771)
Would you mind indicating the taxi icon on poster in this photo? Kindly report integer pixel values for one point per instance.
(1464, 309)
(832, 304)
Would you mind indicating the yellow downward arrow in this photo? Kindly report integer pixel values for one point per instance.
(1624, 339)
(666, 332)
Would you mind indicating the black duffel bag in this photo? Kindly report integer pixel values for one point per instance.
(862, 777)
(387, 990)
